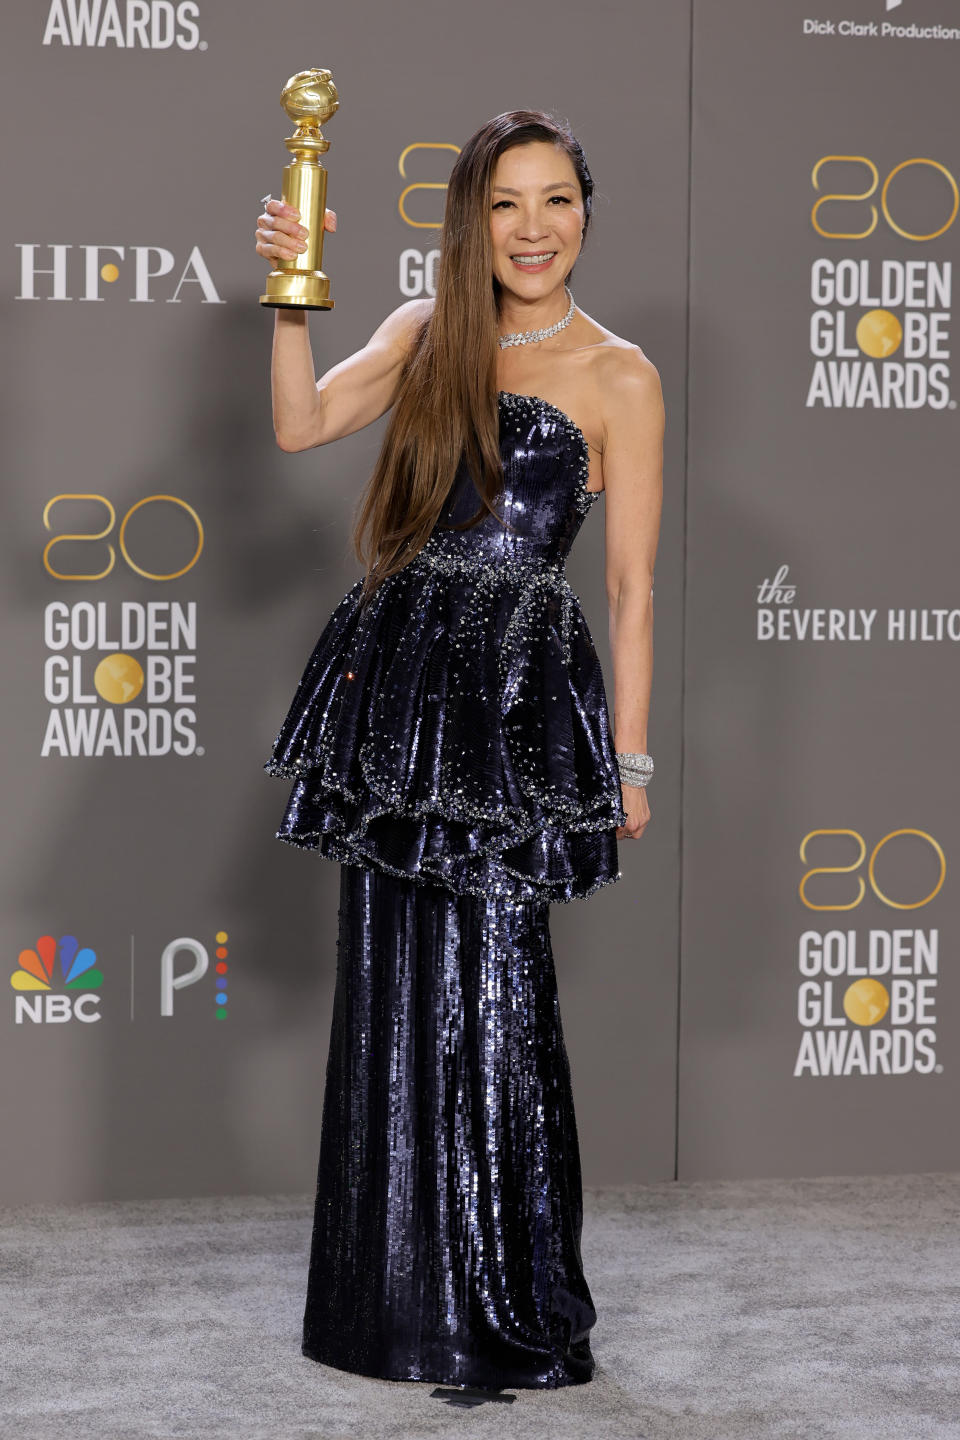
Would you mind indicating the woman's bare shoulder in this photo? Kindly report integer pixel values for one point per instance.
(402, 326)
(616, 360)
(622, 377)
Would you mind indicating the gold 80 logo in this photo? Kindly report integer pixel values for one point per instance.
(417, 207)
(96, 536)
(851, 904)
(898, 222)
(880, 325)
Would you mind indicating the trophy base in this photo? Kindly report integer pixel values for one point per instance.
(300, 289)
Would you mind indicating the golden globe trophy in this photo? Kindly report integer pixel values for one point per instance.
(309, 98)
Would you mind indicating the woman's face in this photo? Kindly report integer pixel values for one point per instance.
(536, 219)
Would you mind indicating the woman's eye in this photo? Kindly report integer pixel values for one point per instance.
(561, 199)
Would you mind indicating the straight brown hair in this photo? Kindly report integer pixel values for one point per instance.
(446, 404)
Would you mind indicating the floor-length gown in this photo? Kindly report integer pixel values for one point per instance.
(450, 744)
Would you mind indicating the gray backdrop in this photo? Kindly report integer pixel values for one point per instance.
(148, 382)
(788, 736)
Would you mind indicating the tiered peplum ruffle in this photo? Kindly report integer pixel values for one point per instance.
(455, 729)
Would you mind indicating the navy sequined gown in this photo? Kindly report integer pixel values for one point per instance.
(450, 745)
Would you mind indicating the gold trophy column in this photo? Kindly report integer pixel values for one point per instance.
(310, 99)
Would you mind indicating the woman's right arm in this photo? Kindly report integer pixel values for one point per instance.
(353, 393)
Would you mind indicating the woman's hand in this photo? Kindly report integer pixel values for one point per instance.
(280, 236)
(638, 812)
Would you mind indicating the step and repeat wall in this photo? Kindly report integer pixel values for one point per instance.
(820, 1013)
(770, 988)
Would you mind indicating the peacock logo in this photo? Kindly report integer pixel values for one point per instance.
(35, 976)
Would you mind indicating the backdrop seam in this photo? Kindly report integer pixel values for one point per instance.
(683, 601)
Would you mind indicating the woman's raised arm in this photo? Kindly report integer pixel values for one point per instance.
(352, 393)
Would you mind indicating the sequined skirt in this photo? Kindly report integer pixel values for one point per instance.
(446, 1234)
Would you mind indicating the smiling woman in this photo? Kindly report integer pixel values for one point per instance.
(450, 745)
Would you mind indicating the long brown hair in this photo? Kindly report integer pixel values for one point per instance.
(446, 404)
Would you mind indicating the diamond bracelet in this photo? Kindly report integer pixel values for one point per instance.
(634, 769)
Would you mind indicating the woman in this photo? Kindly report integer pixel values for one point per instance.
(450, 745)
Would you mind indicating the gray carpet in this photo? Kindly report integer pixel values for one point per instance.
(773, 1309)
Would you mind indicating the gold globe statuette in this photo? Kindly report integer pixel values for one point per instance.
(310, 99)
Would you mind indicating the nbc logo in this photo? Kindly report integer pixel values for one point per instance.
(78, 974)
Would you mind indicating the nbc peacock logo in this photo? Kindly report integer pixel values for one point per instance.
(34, 979)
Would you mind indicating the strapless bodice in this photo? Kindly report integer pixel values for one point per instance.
(544, 499)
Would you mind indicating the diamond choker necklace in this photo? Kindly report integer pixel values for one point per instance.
(530, 337)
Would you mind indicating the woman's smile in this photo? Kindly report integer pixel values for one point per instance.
(534, 262)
